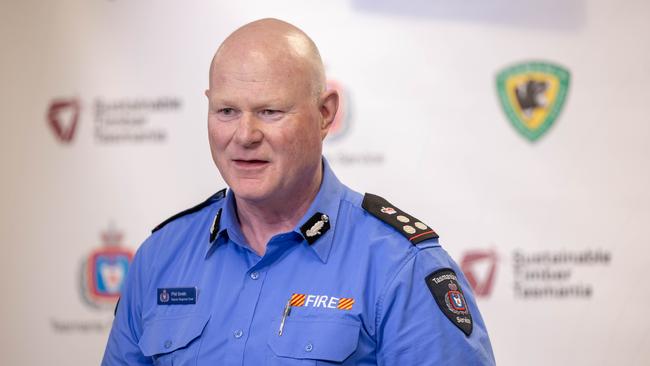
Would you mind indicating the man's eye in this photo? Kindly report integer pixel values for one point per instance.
(271, 113)
(226, 114)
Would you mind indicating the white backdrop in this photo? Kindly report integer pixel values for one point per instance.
(561, 222)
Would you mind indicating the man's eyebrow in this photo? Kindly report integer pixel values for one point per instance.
(216, 100)
(260, 103)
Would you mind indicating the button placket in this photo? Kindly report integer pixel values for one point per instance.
(243, 314)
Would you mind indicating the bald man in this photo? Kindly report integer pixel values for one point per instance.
(289, 266)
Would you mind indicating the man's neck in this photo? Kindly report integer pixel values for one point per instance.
(260, 221)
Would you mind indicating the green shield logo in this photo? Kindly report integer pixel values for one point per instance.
(532, 95)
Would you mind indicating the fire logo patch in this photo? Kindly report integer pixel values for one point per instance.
(321, 301)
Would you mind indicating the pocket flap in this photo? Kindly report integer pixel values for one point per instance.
(316, 339)
(164, 335)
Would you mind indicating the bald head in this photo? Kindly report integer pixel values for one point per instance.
(277, 44)
(268, 113)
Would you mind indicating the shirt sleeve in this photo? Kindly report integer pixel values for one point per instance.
(122, 347)
(413, 328)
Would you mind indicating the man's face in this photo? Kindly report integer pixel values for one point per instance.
(264, 127)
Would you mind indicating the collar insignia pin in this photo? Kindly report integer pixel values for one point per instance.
(214, 230)
(317, 225)
(315, 229)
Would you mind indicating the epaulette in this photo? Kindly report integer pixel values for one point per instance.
(413, 229)
(214, 198)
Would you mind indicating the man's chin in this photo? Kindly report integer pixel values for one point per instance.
(251, 191)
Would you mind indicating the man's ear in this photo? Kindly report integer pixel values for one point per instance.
(207, 93)
(329, 104)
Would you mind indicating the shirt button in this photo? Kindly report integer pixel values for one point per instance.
(309, 347)
(168, 343)
(255, 275)
(238, 333)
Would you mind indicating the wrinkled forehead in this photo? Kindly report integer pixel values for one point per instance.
(240, 67)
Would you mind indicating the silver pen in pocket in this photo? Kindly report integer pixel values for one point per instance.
(285, 314)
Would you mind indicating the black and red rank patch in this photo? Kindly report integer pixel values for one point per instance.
(413, 229)
(445, 289)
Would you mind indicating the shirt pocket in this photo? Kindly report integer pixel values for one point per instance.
(312, 341)
(173, 341)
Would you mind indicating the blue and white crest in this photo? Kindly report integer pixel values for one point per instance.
(164, 296)
(104, 271)
(458, 300)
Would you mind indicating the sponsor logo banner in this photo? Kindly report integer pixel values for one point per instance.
(122, 120)
(132, 119)
(101, 278)
(549, 274)
(104, 271)
(480, 268)
(532, 95)
(536, 274)
(62, 117)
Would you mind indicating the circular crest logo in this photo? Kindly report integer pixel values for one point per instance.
(104, 271)
(456, 302)
(164, 296)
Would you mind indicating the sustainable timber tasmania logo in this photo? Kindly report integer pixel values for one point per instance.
(532, 95)
(480, 267)
(62, 116)
(116, 120)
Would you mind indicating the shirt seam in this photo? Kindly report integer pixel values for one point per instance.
(389, 284)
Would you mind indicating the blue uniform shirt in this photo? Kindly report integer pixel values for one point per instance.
(357, 295)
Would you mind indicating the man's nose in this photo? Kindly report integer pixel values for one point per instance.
(248, 130)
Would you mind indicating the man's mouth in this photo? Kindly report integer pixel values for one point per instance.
(249, 163)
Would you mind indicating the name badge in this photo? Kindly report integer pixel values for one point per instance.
(177, 296)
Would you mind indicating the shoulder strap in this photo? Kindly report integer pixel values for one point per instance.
(413, 229)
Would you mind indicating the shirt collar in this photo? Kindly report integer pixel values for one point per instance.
(226, 223)
(327, 203)
(320, 238)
